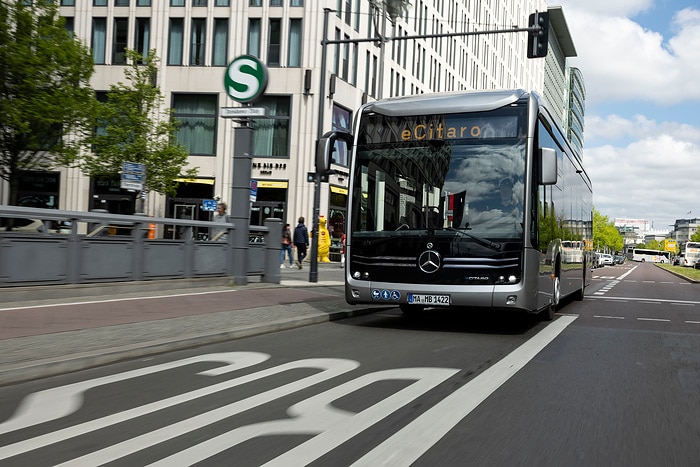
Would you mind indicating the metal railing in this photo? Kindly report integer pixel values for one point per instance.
(49, 246)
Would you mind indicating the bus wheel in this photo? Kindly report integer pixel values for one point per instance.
(410, 310)
(548, 313)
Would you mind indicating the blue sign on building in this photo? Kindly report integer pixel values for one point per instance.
(209, 205)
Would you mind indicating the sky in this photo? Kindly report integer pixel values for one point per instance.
(640, 61)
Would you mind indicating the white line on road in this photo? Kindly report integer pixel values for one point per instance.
(654, 319)
(650, 300)
(412, 441)
(608, 317)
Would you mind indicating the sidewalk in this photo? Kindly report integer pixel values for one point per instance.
(51, 330)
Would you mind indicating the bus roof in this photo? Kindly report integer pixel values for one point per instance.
(445, 102)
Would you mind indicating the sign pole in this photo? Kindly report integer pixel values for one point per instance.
(240, 200)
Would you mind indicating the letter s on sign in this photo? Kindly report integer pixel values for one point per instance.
(248, 82)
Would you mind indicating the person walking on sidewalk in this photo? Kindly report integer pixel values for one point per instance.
(286, 246)
(301, 241)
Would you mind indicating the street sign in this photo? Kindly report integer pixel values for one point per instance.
(245, 79)
(253, 190)
(234, 112)
(133, 176)
(209, 204)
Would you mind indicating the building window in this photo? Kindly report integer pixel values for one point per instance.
(143, 2)
(119, 41)
(273, 43)
(297, 3)
(99, 39)
(345, 64)
(121, 2)
(271, 136)
(199, 2)
(177, 2)
(222, 3)
(220, 43)
(143, 35)
(197, 116)
(70, 25)
(175, 41)
(197, 41)
(294, 56)
(255, 3)
(254, 37)
(99, 3)
(67, 2)
(275, 2)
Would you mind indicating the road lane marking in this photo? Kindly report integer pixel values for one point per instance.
(654, 300)
(54, 403)
(654, 319)
(608, 317)
(416, 438)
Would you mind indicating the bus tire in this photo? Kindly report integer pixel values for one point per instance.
(548, 313)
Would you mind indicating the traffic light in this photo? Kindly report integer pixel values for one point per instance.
(537, 41)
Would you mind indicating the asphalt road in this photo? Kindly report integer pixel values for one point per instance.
(614, 380)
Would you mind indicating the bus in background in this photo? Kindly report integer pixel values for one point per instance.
(464, 200)
(653, 256)
(691, 252)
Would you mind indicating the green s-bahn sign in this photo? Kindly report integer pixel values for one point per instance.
(245, 79)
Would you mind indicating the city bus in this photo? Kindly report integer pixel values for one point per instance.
(464, 200)
(643, 255)
(692, 253)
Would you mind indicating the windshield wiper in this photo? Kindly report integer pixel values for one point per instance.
(483, 241)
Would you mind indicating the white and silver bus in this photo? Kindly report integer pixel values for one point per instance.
(464, 200)
(643, 255)
(691, 251)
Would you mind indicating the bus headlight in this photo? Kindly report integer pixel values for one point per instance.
(356, 275)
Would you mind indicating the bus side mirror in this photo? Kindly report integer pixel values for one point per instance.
(326, 146)
(548, 166)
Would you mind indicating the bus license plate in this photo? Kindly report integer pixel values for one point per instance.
(429, 300)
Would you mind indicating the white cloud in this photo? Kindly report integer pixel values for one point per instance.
(615, 128)
(622, 60)
(654, 178)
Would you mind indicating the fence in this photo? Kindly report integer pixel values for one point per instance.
(48, 246)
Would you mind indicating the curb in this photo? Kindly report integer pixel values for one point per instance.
(17, 373)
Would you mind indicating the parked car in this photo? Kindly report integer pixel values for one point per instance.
(619, 259)
(607, 259)
(697, 264)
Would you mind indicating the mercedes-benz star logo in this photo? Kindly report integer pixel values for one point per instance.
(429, 261)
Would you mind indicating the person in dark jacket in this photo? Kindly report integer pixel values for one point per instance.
(301, 241)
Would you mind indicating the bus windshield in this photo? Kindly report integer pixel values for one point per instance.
(441, 176)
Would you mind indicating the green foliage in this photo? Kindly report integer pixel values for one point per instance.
(46, 102)
(605, 235)
(695, 237)
(654, 245)
(133, 126)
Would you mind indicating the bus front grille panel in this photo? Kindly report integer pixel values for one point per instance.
(504, 268)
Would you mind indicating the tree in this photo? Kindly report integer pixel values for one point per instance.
(695, 237)
(605, 235)
(46, 101)
(133, 126)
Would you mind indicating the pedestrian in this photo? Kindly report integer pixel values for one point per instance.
(219, 233)
(301, 241)
(286, 246)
